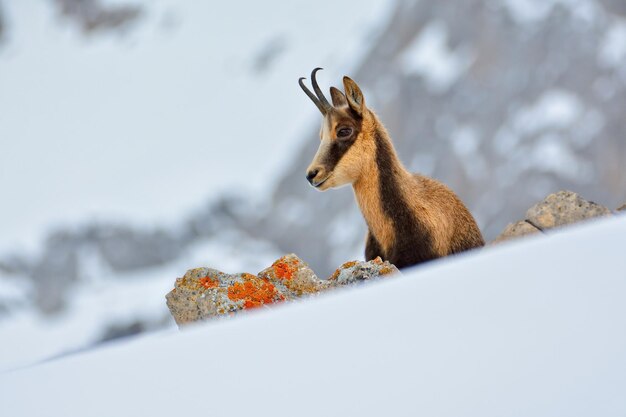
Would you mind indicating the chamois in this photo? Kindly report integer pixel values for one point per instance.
(411, 218)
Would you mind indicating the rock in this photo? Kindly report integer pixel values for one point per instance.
(205, 293)
(293, 277)
(558, 209)
(355, 272)
(622, 207)
(562, 208)
(515, 230)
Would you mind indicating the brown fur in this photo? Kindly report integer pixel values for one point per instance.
(411, 218)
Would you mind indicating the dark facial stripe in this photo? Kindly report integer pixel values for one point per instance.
(338, 148)
(413, 241)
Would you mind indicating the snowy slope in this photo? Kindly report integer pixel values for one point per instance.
(201, 97)
(530, 328)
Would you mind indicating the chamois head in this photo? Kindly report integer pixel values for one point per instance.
(343, 151)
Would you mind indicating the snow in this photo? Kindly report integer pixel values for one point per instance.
(542, 135)
(551, 154)
(530, 11)
(613, 51)
(13, 289)
(534, 327)
(429, 56)
(465, 142)
(556, 109)
(145, 126)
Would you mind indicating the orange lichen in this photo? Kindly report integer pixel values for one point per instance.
(208, 282)
(378, 260)
(385, 270)
(285, 270)
(254, 292)
(346, 265)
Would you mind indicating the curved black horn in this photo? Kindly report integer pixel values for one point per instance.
(318, 90)
(312, 96)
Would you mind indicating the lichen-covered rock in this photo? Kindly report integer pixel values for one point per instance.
(515, 230)
(293, 277)
(355, 272)
(562, 208)
(205, 293)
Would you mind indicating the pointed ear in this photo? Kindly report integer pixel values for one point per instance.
(339, 100)
(354, 96)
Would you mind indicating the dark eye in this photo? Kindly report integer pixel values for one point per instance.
(344, 132)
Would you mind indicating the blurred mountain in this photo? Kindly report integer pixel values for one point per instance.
(93, 15)
(90, 16)
(2, 24)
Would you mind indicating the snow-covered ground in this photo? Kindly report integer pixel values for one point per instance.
(534, 327)
(199, 98)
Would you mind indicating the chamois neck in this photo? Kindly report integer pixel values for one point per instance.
(379, 191)
(385, 167)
